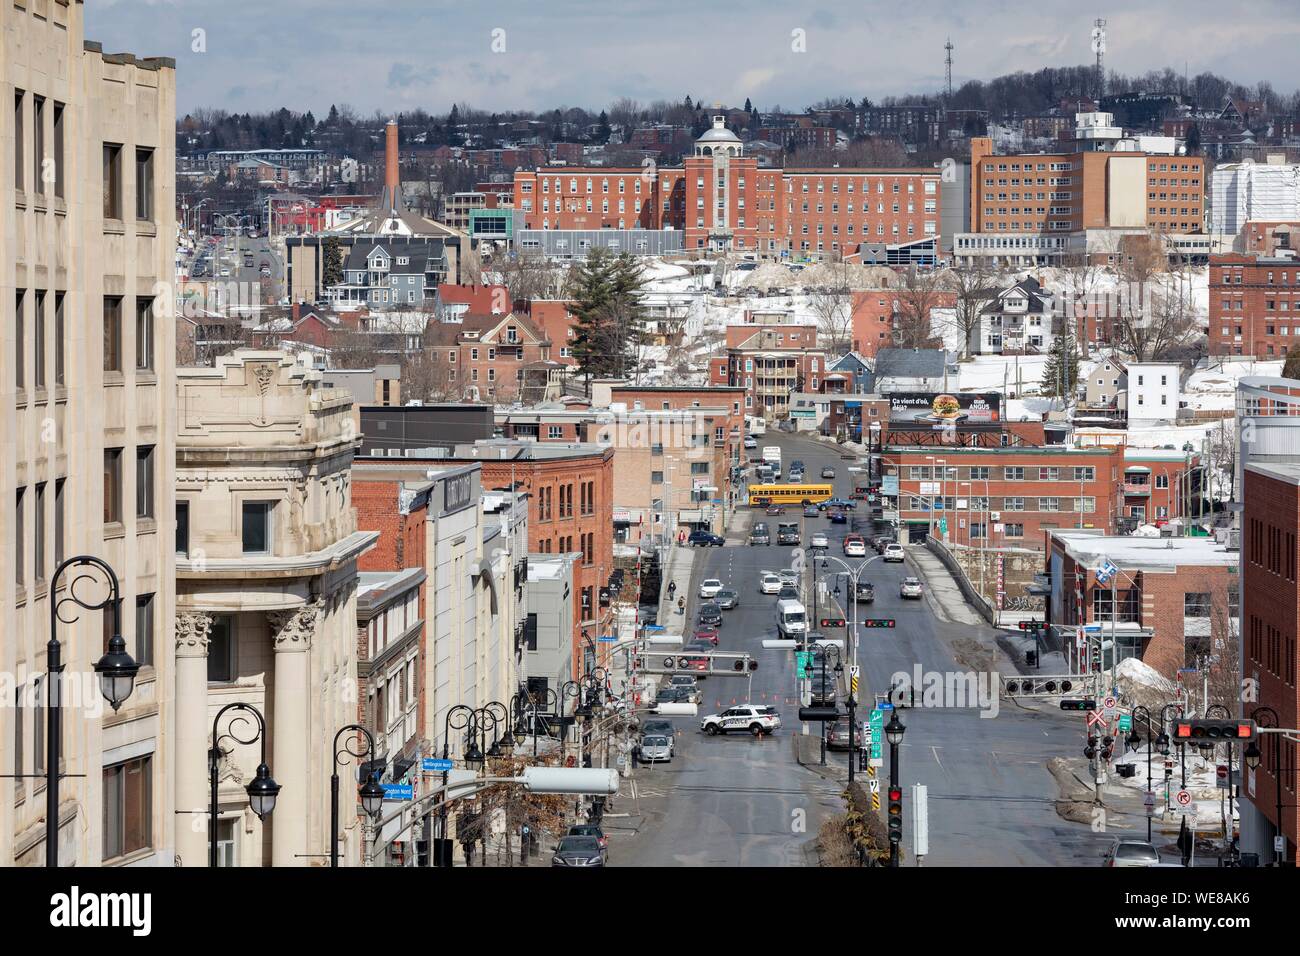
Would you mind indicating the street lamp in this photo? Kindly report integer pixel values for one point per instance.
(262, 790)
(1267, 717)
(371, 793)
(1133, 740)
(894, 731)
(116, 670)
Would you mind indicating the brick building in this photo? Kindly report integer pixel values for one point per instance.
(488, 357)
(1003, 496)
(1156, 486)
(554, 318)
(1254, 304)
(722, 198)
(1270, 624)
(873, 314)
(769, 362)
(1172, 602)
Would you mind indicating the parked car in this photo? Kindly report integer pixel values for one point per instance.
(865, 592)
(659, 725)
(1130, 853)
(828, 471)
(854, 546)
(839, 517)
(705, 539)
(727, 599)
(837, 736)
(747, 717)
(710, 587)
(819, 541)
(655, 748)
(711, 615)
(769, 584)
(578, 851)
(894, 552)
(910, 588)
(880, 541)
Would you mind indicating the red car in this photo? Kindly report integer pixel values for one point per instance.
(709, 634)
(775, 510)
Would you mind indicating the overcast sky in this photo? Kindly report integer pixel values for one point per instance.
(391, 55)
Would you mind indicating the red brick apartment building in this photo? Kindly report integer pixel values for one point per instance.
(1075, 190)
(1270, 625)
(1254, 304)
(873, 312)
(486, 357)
(554, 318)
(720, 198)
(1171, 602)
(1008, 496)
(1155, 485)
(769, 362)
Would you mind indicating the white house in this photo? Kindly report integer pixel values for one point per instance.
(1153, 391)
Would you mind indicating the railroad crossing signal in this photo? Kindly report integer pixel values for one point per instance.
(1095, 719)
(878, 622)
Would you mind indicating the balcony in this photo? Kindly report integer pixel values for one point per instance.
(1139, 488)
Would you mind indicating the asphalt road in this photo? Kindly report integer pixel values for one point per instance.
(735, 800)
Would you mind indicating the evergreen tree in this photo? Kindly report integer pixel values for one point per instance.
(1061, 371)
(688, 104)
(749, 107)
(602, 130)
(608, 316)
(331, 271)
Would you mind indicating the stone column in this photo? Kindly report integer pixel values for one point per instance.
(191, 715)
(292, 633)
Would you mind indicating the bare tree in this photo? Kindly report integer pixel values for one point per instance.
(530, 275)
(919, 293)
(975, 286)
(833, 306)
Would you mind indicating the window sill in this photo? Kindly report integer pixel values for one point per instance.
(146, 524)
(20, 398)
(113, 530)
(20, 198)
(114, 226)
(146, 227)
(20, 595)
(146, 376)
(129, 858)
(60, 206)
(113, 378)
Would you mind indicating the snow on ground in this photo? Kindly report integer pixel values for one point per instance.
(1009, 374)
(1209, 804)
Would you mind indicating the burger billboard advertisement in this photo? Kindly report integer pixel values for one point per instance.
(944, 409)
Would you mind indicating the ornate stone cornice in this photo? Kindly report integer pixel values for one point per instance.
(192, 633)
(293, 629)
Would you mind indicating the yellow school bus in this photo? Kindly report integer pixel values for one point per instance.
(760, 496)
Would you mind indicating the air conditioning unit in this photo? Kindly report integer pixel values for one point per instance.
(1234, 539)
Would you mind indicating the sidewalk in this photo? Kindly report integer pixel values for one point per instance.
(681, 561)
(943, 593)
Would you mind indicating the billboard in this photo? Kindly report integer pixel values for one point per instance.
(944, 409)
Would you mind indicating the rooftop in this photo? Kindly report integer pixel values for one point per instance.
(1134, 553)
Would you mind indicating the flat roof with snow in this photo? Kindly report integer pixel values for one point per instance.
(1135, 553)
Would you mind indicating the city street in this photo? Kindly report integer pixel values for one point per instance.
(734, 799)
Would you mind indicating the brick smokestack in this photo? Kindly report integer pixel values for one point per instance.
(391, 179)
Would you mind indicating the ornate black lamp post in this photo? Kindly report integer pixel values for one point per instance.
(116, 670)
(262, 790)
(371, 793)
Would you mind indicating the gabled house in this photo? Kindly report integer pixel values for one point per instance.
(495, 358)
(383, 276)
(1019, 320)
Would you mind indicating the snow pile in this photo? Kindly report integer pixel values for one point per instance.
(1140, 683)
(1146, 531)
(1208, 807)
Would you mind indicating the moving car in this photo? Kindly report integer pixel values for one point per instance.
(854, 546)
(704, 633)
(828, 471)
(705, 539)
(727, 599)
(865, 592)
(750, 442)
(880, 541)
(578, 851)
(848, 503)
(756, 720)
(709, 587)
(711, 614)
(788, 592)
(787, 533)
(791, 618)
(823, 689)
(688, 684)
(655, 748)
(659, 725)
(894, 552)
(775, 510)
(674, 695)
(819, 541)
(910, 588)
(769, 584)
(759, 534)
(839, 517)
(788, 576)
(590, 830)
(811, 511)
(1127, 853)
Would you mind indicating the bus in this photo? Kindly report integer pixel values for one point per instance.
(762, 495)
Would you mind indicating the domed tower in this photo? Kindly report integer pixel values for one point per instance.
(714, 153)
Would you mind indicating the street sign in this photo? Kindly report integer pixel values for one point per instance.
(1149, 801)
(606, 638)
(874, 784)
(1108, 707)
(854, 672)
(1125, 723)
(398, 791)
(877, 728)
(803, 664)
(435, 765)
(1183, 798)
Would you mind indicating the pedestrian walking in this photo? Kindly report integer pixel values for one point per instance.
(681, 605)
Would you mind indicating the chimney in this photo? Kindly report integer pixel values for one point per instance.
(391, 178)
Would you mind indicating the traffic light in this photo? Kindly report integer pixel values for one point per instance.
(1032, 625)
(1039, 685)
(878, 622)
(1107, 747)
(895, 814)
(1078, 703)
(813, 714)
(1212, 731)
(832, 622)
(744, 663)
(1090, 750)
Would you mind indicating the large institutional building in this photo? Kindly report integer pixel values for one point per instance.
(720, 199)
(87, 413)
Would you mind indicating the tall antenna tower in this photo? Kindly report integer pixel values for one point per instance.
(948, 63)
(1099, 48)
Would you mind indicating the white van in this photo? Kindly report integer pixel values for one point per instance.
(791, 619)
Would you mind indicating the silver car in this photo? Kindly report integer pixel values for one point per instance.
(655, 749)
(1127, 853)
(910, 588)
